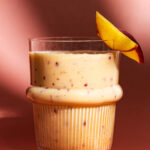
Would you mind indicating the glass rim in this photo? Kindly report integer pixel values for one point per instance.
(76, 52)
(71, 39)
(67, 39)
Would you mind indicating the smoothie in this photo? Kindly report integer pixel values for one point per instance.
(74, 98)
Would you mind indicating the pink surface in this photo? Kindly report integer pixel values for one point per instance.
(22, 19)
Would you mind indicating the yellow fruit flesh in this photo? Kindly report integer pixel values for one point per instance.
(107, 31)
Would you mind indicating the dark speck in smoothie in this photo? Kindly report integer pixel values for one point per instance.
(57, 64)
(83, 145)
(67, 124)
(71, 85)
(84, 123)
(48, 62)
(69, 107)
(85, 84)
(57, 79)
(55, 111)
(115, 96)
(44, 77)
(109, 57)
(56, 140)
(53, 84)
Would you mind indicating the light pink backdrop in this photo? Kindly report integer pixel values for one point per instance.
(23, 19)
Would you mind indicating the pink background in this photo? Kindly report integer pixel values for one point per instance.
(22, 19)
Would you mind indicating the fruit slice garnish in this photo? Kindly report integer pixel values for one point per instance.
(122, 40)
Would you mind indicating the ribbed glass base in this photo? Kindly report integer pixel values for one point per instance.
(74, 128)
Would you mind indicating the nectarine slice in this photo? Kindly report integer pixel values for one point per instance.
(122, 40)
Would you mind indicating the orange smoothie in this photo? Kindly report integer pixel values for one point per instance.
(74, 97)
